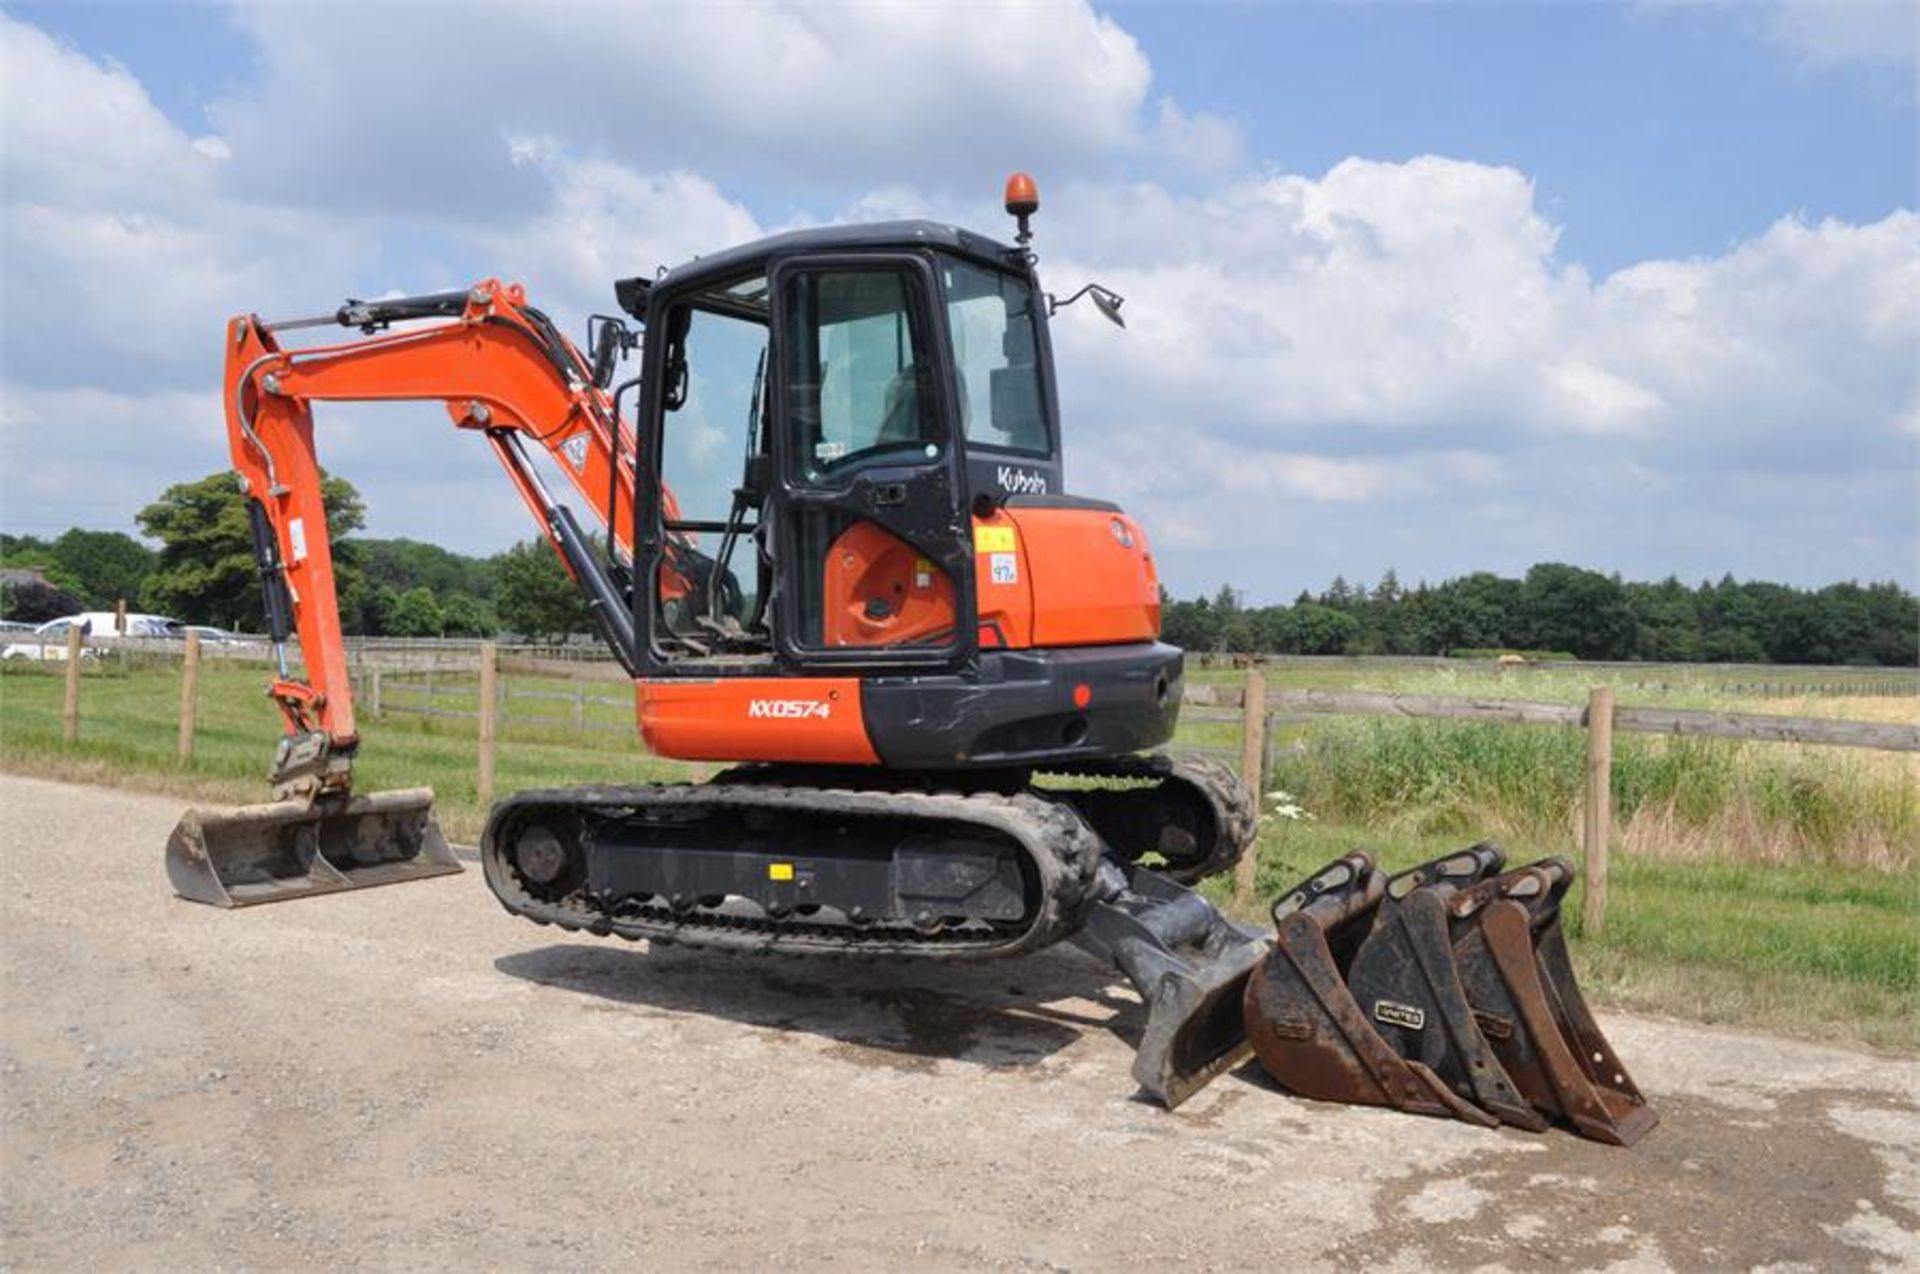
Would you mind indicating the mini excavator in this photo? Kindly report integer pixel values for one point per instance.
(835, 554)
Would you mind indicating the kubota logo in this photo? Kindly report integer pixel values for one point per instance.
(789, 709)
(1020, 481)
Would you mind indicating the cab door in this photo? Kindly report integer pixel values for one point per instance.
(870, 513)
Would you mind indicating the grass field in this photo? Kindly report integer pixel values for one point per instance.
(1759, 884)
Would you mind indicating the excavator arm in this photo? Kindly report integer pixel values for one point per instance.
(502, 370)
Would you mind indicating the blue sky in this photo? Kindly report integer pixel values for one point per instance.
(1436, 287)
(1652, 131)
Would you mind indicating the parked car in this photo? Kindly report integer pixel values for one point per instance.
(49, 640)
(211, 636)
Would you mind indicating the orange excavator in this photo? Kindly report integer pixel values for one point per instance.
(835, 554)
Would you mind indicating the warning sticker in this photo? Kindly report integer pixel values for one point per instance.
(779, 871)
(575, 450)
(1006, 568)
(1400, 1015)
(994, 539)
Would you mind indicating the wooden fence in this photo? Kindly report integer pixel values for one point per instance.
(1255, 707)
(420, 692)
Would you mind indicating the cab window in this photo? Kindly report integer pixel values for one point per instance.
(996, 358)
(858, 385)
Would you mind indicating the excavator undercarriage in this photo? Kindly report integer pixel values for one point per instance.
(759, 861)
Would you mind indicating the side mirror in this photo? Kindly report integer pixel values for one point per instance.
(1106, 300)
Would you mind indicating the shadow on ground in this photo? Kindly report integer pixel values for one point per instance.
(998, 1014)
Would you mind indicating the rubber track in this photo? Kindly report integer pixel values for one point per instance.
(1235, 808)
(1063, 849)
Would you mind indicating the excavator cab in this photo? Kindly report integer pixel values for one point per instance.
(873, 387)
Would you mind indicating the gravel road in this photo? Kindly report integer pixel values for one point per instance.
(410, 1077)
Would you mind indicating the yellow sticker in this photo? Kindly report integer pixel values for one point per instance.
(994, 539)
(779, 871)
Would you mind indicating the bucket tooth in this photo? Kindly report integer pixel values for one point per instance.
(1513, 961)
(238, 857)
(1302, 1021)
(1188, 962)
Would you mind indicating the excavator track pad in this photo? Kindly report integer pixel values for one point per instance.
(237, 857)
(1444, 990)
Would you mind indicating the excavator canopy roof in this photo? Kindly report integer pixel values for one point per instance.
(899, 235)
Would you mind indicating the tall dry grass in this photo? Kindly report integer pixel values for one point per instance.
(1681, 798)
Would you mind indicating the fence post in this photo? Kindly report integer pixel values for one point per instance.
(489, 675)
(1599, 809)
(189, 696)
(1253, 771)
(580, 705)
(70, 713)
(373, 695)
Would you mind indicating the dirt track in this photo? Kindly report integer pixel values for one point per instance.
(409, 1076)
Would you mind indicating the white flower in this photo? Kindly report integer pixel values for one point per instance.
(1285, 806)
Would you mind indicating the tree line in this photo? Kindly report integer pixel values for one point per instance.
(203, 572)
(1565, 611)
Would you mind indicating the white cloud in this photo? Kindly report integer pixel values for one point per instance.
(79, 131)
(122, 258)
(1828, 33)
(604, 221)
(817, 98)
(64, 453)
(1402, 339)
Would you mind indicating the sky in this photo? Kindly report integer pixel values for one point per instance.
(1434, 288)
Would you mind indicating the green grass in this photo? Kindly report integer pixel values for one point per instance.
(129, 721)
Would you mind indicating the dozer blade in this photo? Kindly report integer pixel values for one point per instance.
(1189, 963)
(1513, 963)
(1304, 1025)
(236, 857)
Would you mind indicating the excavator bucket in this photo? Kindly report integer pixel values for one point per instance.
(1446, 990)
(1512, 957)
(1189, 963)
(237, 857)
(1404, 978)
(1303, 1022)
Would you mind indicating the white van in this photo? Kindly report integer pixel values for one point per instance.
(49, 641)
